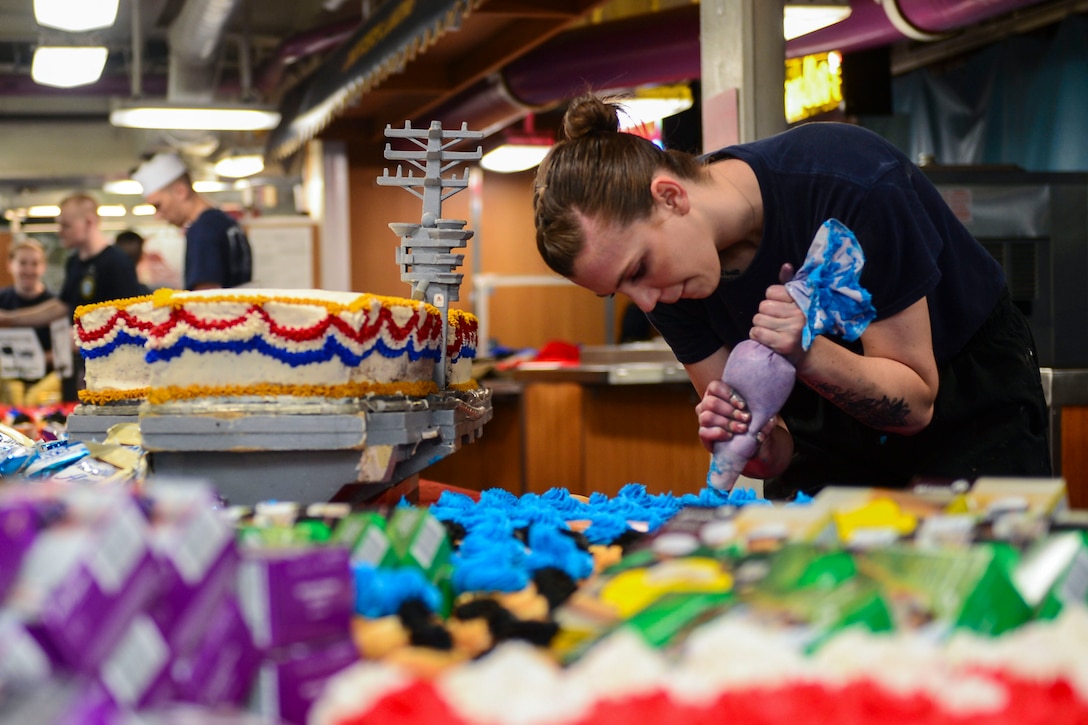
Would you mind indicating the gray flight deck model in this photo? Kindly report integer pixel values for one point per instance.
(254, 451)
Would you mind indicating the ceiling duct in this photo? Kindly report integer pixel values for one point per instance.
(194, 38)
(663, 47)
(875, 23)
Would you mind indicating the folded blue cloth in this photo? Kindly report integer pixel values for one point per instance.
(828, 286)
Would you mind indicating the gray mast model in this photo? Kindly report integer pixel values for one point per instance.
(425, 255)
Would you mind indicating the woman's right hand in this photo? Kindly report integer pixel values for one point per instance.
(722, 414)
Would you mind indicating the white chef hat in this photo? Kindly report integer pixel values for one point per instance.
(158, 171)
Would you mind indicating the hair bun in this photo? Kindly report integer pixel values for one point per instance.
(589, 115)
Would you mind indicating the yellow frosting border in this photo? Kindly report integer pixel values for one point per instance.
(120, 304)
(103, 397)
(175, 393)
(174, 299)
(171, 298)
(353, 390)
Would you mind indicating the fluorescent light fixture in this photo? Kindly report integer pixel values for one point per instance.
(124, 187)
(75, 16)
(43, 211)
(650, 105)
(513, 157)
(143, 210)
(112, 210)
(209, 117)
(801, 17)
(205, 186)
(239, 166)
(520, 150)
(67, 66)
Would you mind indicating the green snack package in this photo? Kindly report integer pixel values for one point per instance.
(668, 621)
(419, 539)
(364, 533)
(947, 588)
(313, 531)
(664, 624)
(1053, 573)
(816, 592)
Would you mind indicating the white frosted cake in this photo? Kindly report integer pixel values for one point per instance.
(112, 337)
(270, 344)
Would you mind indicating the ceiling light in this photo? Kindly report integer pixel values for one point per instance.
(800, 17)
(240, 165)
(75, 16)
(207, 117)
(206, 186)
(67, 66)
(111, 210)
(512, 157)
(650, 105)
(43, 211)
(124, 187)
(143, 210)
(518, 150)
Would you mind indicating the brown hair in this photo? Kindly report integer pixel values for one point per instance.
(86, 203)
(26, 243)
(596, 171)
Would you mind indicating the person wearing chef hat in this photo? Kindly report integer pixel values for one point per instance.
(217, 252)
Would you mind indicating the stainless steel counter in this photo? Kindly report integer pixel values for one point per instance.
(628, 364)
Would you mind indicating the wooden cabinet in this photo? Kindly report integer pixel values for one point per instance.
(585, 438)
(1074, 454)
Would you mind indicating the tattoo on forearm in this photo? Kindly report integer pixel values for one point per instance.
(880, 414)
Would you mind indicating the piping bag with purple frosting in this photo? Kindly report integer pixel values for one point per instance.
(828, 290)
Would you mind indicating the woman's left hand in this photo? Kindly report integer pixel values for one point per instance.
(779, 324)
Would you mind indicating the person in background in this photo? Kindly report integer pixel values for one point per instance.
(131, 243)
(27, 263)
(96, 271)
(217, 252)
(943, 384)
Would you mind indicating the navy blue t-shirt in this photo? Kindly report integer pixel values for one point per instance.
(109, 275)
(217, 251)
(914, 246)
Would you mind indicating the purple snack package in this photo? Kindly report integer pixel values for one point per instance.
(292, 678)
(68, 701)
(296, 595)
(221, 668)
(23, 660)
(194, 546)
(137, 671)
(83, 581)
(18, 527)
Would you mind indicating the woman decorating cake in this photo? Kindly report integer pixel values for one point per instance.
(943, 383)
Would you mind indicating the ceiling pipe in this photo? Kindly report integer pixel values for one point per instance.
(873, 23)
(648, 49)
(663, 47)
(304, 45)
(194, 38)
(136, 73)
